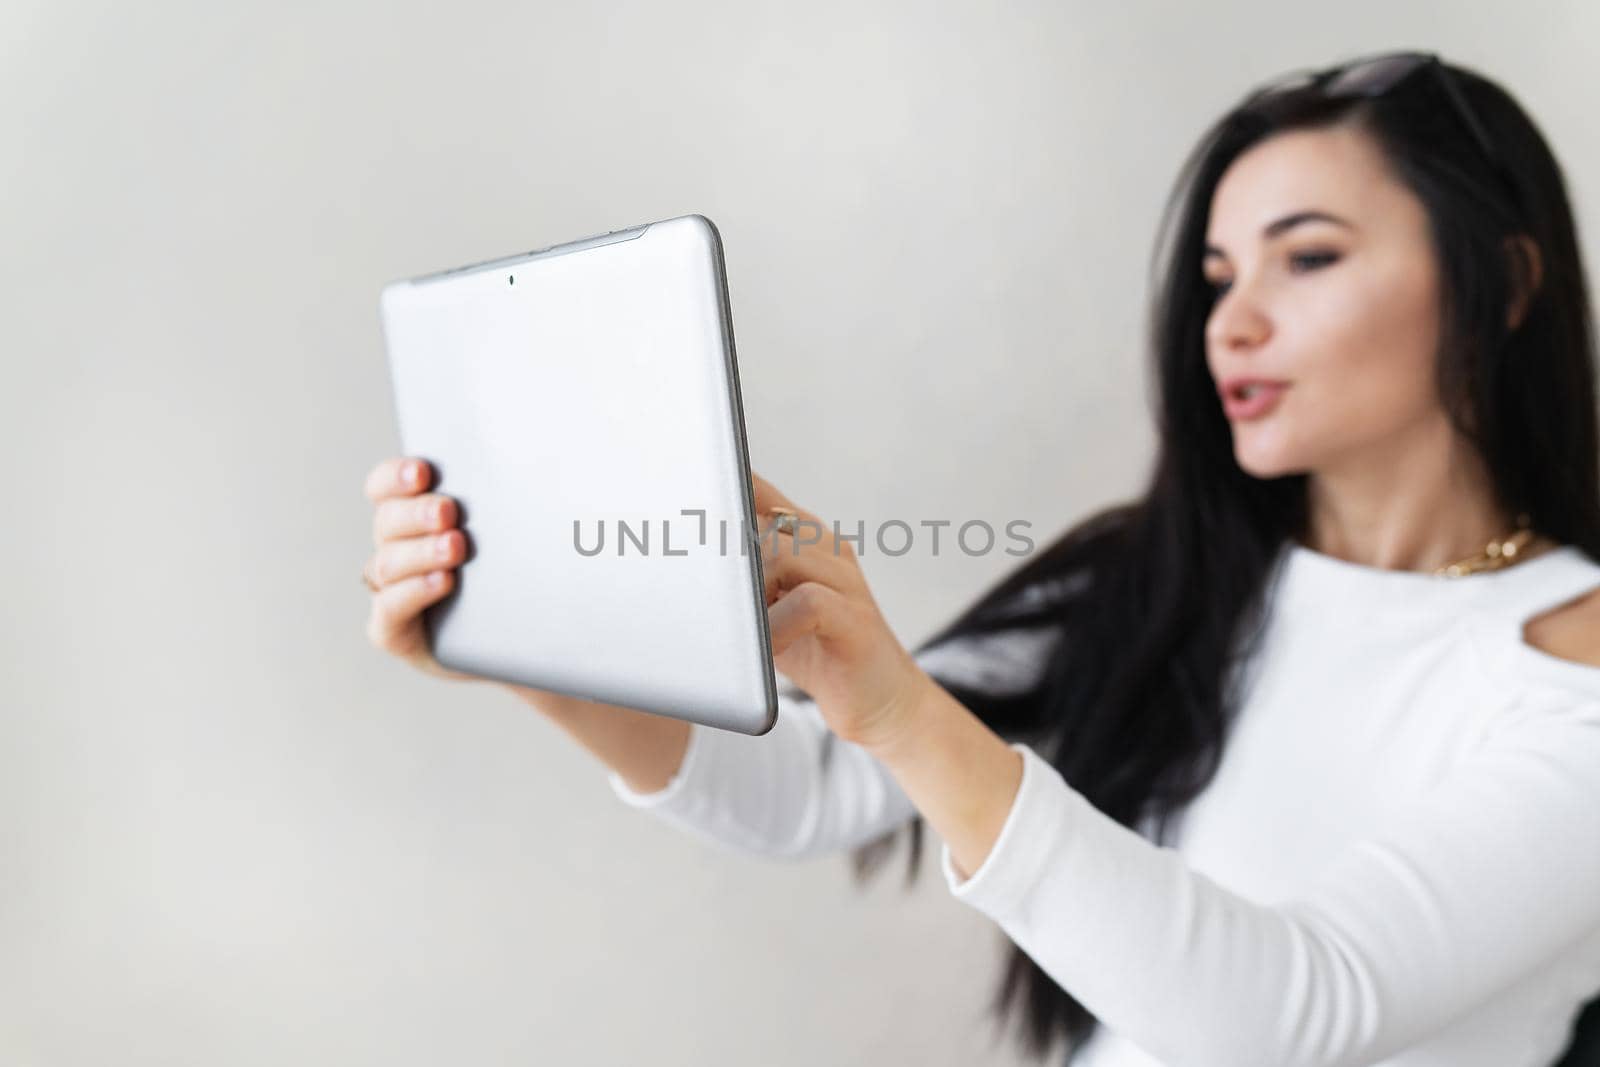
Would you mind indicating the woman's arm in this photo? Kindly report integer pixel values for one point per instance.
(808, 786)
(959, 773)
(642, 750)
(799, 791)
(1463, 893)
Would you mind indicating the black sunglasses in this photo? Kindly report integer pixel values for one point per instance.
(1374, 76)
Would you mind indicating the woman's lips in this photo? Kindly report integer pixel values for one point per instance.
(1252, 400)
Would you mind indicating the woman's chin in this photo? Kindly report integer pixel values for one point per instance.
(1266, 463)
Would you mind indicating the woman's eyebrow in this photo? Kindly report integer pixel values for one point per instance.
(1273, 229)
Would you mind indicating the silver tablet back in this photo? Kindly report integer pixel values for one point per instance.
(582, 404)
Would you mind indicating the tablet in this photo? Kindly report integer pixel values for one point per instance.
(581, 403)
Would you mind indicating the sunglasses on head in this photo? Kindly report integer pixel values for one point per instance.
(1376, 75)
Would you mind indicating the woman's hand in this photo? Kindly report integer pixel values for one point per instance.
(828, 635)
(418, 548)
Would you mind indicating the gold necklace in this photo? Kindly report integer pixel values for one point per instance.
(1496, 555)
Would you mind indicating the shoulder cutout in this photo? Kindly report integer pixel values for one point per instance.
(1570, 631)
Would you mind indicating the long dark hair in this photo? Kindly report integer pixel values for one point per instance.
(1157, 598)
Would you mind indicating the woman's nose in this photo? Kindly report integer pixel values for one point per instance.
(1237, 321)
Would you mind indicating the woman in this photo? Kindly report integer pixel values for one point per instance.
(1296, 758)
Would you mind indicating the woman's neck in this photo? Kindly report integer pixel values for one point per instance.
(1399, 558)
(1415, 513)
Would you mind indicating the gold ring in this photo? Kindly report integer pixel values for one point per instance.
(785, 519)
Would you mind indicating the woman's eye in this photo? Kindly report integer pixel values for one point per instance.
(1300, 262)
(1315, 259)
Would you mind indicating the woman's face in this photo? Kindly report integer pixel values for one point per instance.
(1343, 311)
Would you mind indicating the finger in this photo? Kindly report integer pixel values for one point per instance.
(395, 607)
(783, 567)
(808, 536)
(809, 609)
(408, 516)
(812, 530)
(397, 476)
(417, 555)
(766, 496)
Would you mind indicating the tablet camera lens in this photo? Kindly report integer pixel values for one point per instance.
(511, 279)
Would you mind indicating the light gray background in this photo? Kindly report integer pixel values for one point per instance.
(233, 833)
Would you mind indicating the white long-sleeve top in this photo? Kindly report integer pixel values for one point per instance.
(1397, 862)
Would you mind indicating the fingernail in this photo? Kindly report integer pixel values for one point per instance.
(442, 547)
(436, 578)
(409, 472)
